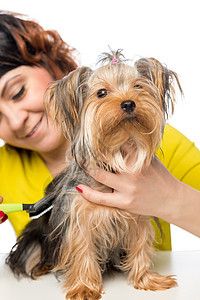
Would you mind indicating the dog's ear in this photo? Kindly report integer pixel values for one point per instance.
(65, 97)
(163, 78)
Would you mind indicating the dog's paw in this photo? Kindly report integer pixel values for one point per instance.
(154, 282)
(83, 293)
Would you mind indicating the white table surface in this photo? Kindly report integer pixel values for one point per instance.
(184, 264)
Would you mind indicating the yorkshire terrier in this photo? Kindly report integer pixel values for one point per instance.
(103, 112)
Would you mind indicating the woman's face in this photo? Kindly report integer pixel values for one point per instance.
(23, 122)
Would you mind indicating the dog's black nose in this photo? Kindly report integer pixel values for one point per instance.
(128, 106)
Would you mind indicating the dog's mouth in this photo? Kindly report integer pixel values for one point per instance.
(129, 119)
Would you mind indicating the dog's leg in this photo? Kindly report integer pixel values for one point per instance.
(83, 276)
(139, 259)
(79, 263)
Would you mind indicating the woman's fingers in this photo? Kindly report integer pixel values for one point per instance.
(103, 176)
(114, 181)
(100, 198)
(3, 217)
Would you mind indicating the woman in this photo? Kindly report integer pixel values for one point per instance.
(35, 149)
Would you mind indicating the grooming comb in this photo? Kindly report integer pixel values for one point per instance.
(35, 210)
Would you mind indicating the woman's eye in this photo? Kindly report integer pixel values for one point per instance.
(19, 94)
(102, 93)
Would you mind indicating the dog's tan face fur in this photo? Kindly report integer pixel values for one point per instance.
(121, 108)
(106, 127)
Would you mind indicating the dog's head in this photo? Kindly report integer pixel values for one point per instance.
(115, 107)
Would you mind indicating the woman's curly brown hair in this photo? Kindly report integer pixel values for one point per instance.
(25, 42)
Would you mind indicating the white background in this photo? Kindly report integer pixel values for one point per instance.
(167, 30)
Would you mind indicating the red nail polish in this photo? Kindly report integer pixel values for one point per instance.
(1, 214)
(4, 218)
(79, 189)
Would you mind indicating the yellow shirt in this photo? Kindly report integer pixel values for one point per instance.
(24, 176)
(23, 179)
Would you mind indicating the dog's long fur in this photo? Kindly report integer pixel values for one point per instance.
(79, 240)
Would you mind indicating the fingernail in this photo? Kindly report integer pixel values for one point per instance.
(79, 189)
(1, 214)
(4, 218)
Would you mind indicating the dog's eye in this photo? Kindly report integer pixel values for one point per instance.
(102, 93)
(138, 87)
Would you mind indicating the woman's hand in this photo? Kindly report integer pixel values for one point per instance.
(147, 193)
(3, 217)
(153, 192)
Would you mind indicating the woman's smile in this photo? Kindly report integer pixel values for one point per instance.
(35, 131)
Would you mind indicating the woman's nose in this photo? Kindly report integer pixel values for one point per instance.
(16, 119)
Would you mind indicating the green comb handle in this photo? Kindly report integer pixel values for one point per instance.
(11, 207)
